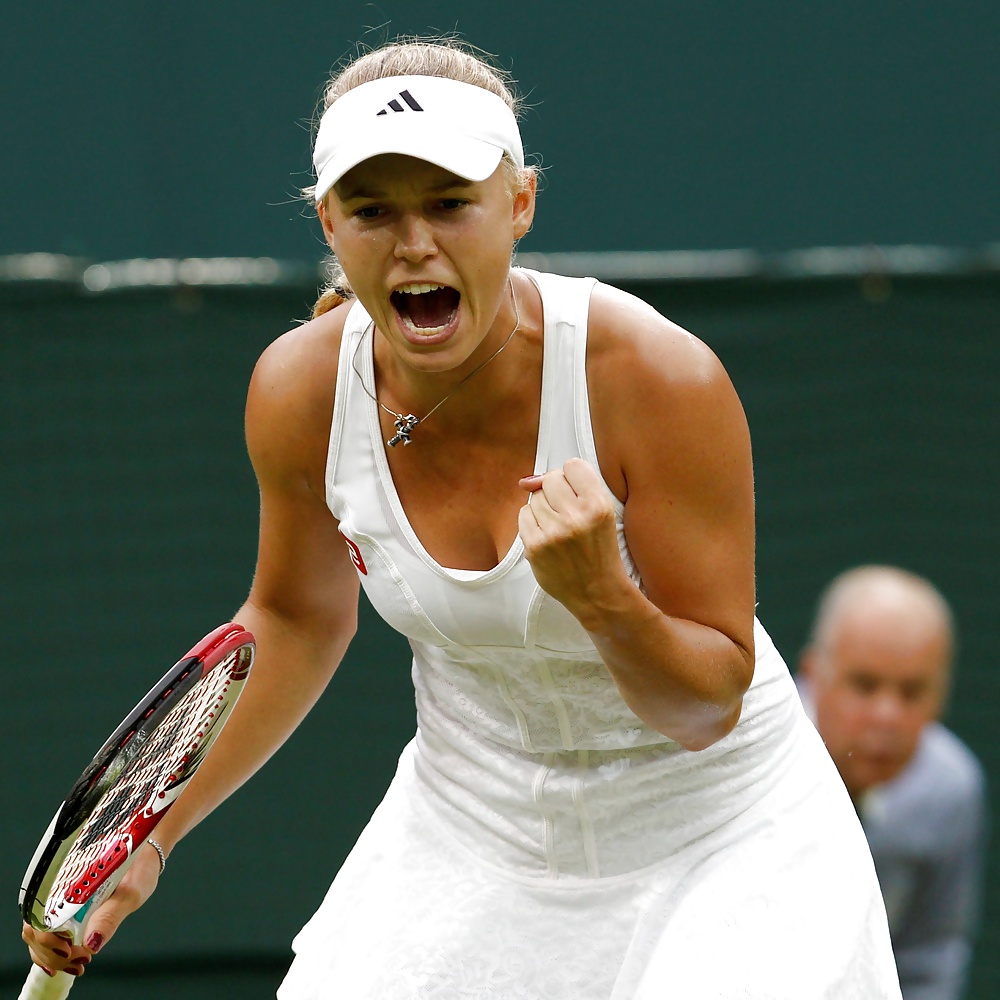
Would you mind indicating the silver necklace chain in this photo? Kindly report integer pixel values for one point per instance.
(405, 424)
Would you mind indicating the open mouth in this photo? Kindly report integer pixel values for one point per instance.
(425, 308)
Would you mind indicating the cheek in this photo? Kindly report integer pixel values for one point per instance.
(912, 725)
(492, 230)
(361, 256)
(841, 718)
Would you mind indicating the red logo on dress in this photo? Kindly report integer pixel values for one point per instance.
(359, 563)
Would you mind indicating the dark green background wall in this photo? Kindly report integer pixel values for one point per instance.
(127, 508)
(128, 519)
(178, 129)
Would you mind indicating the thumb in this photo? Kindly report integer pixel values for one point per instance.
(132, 891)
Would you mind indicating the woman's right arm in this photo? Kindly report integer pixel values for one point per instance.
(302, 609)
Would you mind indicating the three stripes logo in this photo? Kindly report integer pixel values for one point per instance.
(394, 105)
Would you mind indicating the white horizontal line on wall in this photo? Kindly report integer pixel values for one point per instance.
(621, 266)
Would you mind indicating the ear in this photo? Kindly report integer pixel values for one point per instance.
(807, 663)
(324, 219)
(524, 204)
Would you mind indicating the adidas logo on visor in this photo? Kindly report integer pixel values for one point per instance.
(394, 105)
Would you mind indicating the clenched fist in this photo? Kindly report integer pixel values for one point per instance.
(570, 538)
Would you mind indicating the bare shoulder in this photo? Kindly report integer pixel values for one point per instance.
(673, 444)
(628, 336)
(291, 395)
(655, 390)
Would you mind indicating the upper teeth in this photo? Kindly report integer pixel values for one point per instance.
(418, 289)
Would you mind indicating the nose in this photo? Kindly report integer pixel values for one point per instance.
(887, 709)
(414, 238)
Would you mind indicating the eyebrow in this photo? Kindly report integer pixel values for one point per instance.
(356, 191)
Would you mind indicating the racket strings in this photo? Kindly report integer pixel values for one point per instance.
(134, 787)
(156, 762)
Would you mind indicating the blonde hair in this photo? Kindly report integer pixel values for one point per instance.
(446, 57)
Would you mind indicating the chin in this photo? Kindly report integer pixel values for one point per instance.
(879, 774)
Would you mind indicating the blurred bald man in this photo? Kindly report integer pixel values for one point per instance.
(874, 679)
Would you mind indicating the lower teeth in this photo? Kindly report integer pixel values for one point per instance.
(425, 331)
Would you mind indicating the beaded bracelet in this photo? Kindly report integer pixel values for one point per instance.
(159, 850)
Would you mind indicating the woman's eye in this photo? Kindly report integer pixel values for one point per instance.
(368, 212)
(452, 204)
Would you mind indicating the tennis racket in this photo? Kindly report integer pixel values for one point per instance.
(126, 790)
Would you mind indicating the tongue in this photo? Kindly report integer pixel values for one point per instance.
(429, 309)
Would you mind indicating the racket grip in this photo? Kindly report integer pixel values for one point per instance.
(40, 986)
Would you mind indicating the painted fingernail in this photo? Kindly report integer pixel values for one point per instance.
(47, 972)
(94, 942)
(61, 954)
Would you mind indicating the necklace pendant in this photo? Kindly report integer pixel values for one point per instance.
(404, 428)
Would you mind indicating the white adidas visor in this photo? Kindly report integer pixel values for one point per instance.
(458, 126)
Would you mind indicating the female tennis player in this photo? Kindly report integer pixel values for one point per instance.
(546, 486)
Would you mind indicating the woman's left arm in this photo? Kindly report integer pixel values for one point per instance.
(673, 444)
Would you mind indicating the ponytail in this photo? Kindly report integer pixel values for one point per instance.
(335, 291)
(329, 299)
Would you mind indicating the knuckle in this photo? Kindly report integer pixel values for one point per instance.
(127, 895)
(603, 509)
(571, 525)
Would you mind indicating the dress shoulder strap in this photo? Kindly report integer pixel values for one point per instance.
(565, 430)
(344, 398)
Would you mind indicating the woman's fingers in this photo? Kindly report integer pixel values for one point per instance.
(562, 488)
(568, 531)
(46, 942)
(559, 495)
(55, 953)
(133, 890)
(584, 478)
(575, 495)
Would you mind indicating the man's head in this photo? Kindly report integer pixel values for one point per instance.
(878, 667)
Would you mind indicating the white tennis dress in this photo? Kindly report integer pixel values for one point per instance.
(539, 841)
